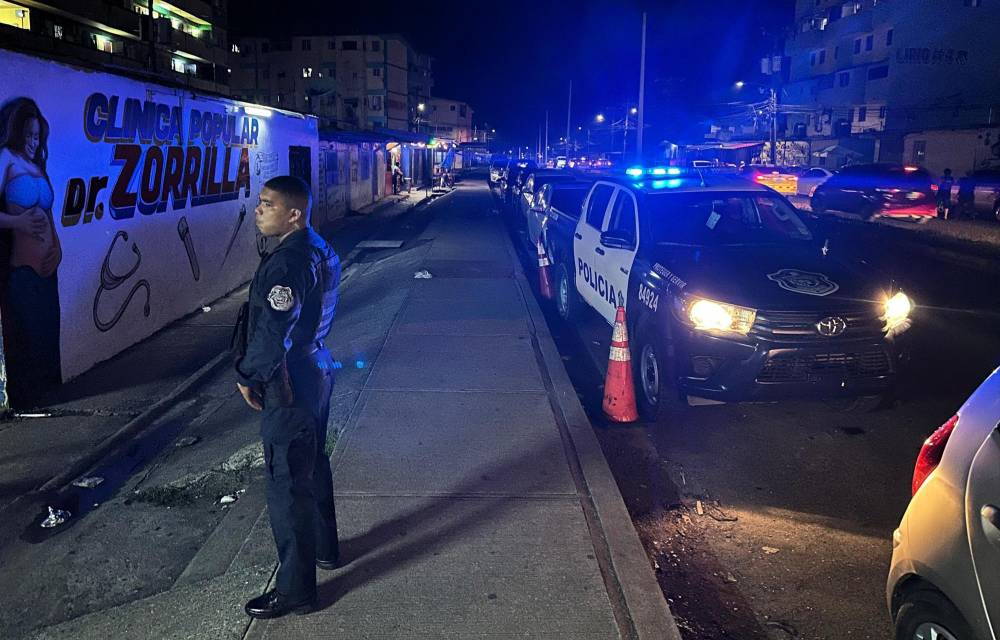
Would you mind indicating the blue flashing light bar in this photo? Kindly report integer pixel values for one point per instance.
(638, 172)
(634, 172)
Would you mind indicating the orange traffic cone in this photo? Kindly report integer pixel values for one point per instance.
(619, 392)
(544, 281)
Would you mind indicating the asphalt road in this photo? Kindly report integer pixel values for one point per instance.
(775, 520)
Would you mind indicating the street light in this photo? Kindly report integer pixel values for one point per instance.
(421, 107)
(600, 117)
(634, 110)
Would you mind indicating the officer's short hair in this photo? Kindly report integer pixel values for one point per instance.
(294, 190)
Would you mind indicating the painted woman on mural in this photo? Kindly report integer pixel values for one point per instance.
(31, 252)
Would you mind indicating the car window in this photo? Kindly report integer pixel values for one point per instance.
(598, 204)
(568, 201)
(724, 219)
(815, 173)
(622, 222)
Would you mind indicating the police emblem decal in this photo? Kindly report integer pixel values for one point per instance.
(804, 282)
(280, 298)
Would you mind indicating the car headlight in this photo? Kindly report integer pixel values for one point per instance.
(897, 311)
(709, 315)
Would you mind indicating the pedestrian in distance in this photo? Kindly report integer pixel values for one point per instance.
(286, 373)
(944, 194)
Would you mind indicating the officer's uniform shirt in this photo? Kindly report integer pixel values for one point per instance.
(293, 297)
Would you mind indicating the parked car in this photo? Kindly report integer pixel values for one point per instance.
(533, 185)
(809, 179)
(517, 173)
(497, 166)
(557, 206)
(978, 194)
(944, 577)
(729, 296)
(781, 179)
(875, 190)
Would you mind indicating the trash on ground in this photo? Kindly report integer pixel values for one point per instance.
(423, 274)
(730, 578)
(770, 550)
(206, 309)
(89, 482)
(699, 508)
(32, 415)
(230, 498)
(56, 517)
(186, 441)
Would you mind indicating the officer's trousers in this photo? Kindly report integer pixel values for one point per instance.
(299, 482)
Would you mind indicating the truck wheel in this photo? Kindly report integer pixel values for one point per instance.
(568, 301)
(651, 369)
(817, 205)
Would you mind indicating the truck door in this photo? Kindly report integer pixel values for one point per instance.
(587, 244)
(619, 242)
(983, 512)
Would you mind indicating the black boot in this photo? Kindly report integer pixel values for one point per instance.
(274, 605)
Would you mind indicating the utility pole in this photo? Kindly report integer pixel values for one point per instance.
(569, 111)
(773, 105)
(642, 90)
(545, 151)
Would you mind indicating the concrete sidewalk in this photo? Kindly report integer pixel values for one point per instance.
(473, 498)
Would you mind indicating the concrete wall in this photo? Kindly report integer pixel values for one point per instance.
(152, 223)
(961, 151)
(352, 176)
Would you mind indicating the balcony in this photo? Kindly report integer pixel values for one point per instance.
(201, 48)
(114, 19)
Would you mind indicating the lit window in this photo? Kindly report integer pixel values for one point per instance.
(57, 31)
(15, 16)
(140, 9)
(307, 72)
(103, 43)
(236, 48)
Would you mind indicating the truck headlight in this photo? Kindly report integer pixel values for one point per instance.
(709, 315)
(897, 312)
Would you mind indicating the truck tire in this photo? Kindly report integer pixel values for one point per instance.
(652, 373)
(568, 302)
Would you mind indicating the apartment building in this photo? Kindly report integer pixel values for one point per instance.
(181, 42)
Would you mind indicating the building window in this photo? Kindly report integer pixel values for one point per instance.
(377, 72)
(307, 72)
(354, 75)
(844, 79)
(331, 44)
(281, 74)
(862, 114)
(812, 59)
(919, 152)
(236, 48)
(462, 111)
(349, 45)
(822, 56)
(376, 46)
(973, 3)
(882, 113)
(877, 73)
(307, 45)
(857, 45)
(836, 52)
(869, 42)
(452, 108)
(57, 31)
(331, 72)
(888, 38)
(140, 9)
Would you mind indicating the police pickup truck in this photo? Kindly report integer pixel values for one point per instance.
(728, 294)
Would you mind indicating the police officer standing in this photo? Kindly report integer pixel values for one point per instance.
(286, 373)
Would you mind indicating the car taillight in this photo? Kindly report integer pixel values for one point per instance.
(759, 178)
(931, 452)
(934, 187)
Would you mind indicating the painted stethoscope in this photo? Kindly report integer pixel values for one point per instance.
(110, 280)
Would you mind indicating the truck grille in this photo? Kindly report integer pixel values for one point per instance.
(812, 367)
(800, 326)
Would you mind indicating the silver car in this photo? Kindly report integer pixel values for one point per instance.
(944, 579)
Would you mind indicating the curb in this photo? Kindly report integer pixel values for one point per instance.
(646, 608)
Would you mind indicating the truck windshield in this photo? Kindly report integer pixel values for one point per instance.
(724, 219)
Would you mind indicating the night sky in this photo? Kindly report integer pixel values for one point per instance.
(513, 60)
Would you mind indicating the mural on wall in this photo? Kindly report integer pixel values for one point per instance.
(31, 252)
(95, 178)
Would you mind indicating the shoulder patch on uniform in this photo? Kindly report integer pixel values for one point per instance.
(281, 298)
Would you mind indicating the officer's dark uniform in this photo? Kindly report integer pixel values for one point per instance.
(291, 307)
